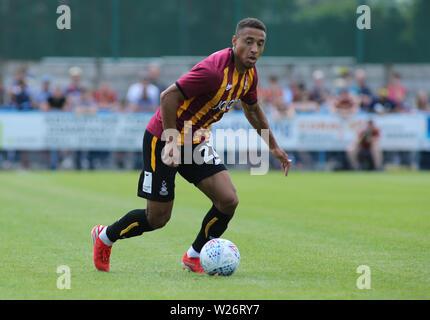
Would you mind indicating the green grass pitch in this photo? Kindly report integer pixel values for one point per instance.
(300, 237)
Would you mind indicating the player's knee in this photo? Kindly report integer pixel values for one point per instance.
(161, 222)
(229, 204)
(158, 219)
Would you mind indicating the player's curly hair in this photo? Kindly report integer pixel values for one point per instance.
(250, 23)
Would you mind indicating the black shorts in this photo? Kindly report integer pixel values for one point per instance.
(157, 180)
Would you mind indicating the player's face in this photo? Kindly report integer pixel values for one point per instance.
(248, 46)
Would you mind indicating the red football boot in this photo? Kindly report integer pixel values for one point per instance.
(101, 252)
(192, 264)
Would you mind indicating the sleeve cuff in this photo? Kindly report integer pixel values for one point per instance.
(182, 91)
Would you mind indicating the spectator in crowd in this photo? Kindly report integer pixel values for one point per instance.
(154, 72)
(20, 74)
(319, 93)
(45, 92)
(56, 102)
(21, 97)
(421, 102)
(86, 104)
(382, 103)
(366, 149)
(105, 97)
(293, 91)
(362, 90)
(143, 96)
(396, 91)
(74, 90)
(344, 77)
(345, 104)
(302, 102)
(1, 94)
(277, 99)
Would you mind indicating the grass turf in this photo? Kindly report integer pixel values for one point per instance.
(300, 237)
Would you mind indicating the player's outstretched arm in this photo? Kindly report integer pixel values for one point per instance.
(170, 99)
(257, 118)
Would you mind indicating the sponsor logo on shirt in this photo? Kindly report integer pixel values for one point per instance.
(225, 105)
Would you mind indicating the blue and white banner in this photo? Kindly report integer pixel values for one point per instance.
(124, 131)
(64, 130)
(324, 132)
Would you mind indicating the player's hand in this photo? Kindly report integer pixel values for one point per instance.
(171, 154)
(282, 156)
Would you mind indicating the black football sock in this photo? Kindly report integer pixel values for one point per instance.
(132, 224)
(214, 224)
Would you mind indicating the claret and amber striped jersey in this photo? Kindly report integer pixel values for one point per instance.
(210, 89)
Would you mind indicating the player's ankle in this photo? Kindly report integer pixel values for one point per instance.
(192, 253)
(104, 238)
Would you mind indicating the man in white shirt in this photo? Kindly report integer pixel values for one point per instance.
(143, 96)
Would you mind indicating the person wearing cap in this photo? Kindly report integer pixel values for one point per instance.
(344, 76)
(345, 104)
(382, 103)
(74, 90)
(75, 74)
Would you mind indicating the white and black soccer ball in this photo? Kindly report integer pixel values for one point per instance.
(219, 256)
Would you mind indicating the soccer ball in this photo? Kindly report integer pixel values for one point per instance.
(219, 256)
